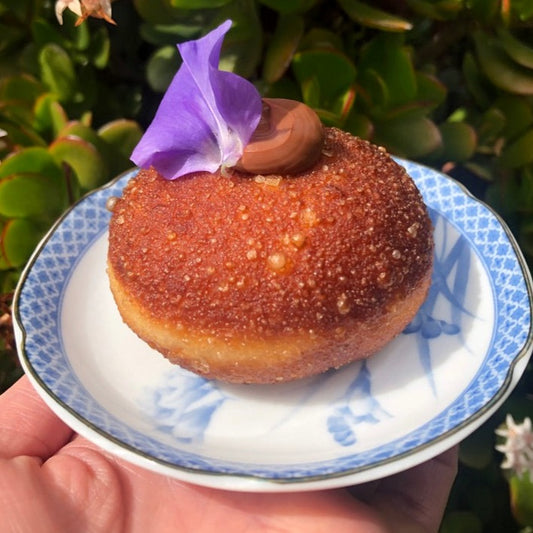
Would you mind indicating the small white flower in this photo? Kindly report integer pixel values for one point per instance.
(73, 5)
(85, 8)
(518, 446)
(3, 143)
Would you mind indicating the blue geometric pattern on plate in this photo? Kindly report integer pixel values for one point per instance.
(38, 307)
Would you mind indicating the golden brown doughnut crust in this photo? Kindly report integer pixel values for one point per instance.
(268, 278)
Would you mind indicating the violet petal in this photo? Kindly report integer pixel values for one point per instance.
(205, 118)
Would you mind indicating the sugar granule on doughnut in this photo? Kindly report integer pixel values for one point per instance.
(256, 246)
(262, 279)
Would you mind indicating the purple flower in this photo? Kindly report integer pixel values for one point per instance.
(205, 118)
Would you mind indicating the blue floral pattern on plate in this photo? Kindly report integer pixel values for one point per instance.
(183, 405)
(340, 428)
(426, 325)
(174, 403)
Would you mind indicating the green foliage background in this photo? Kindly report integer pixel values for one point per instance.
(448, 83)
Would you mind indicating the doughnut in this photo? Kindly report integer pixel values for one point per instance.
(249, 277)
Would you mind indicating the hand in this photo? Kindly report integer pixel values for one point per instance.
(54, 481)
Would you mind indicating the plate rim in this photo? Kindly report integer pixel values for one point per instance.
(250, 480)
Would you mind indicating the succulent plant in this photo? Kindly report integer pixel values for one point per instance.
(446, 82)
(48, 159)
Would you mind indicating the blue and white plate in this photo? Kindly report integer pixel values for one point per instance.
(432, 386)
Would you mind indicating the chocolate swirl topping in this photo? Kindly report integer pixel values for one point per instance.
(288, 139)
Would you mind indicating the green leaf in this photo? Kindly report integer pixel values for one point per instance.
(8, 284)
(332, 72)
(321, 38)
(518, 113)
(161, 67)
(18, 239)
(521, 488)
(375, 93)
(243, 44)
(408, 110)
(21, 135)
(517, 49)
(57, 71)
(523, 8)
(16, 112)
(44, 33)
(156, 11)
(17, 95)
(500, 69)
(169, 34)
(87, 119)
(84, 159)
(26, 195)
(519, 152)
(504, 196)
(49, 115)
(21, 88)
(409, 136)
(114, 142)
(491, 126)
(359, 125)
(374, 18)
(311, 92)
(28, 60)
(100, 48)
(390, 59)
(79, 35)
(345, 103)
(76, 128)
(476, 83)
(285, 40)
(337, 115)
(122, 135)
(459, 141)
(284, 88)
(36, 160)
(430, 90)
(289, 6)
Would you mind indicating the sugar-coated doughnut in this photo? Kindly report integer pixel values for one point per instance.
(268, 278)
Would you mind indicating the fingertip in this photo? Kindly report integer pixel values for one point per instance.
(27, 425)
